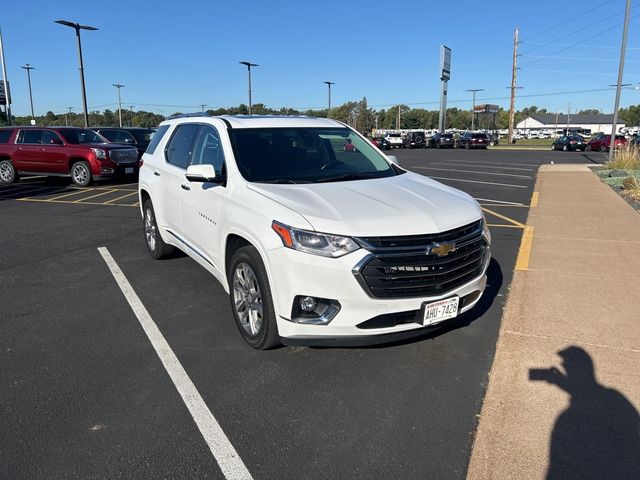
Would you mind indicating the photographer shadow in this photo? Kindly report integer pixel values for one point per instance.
(598, 435)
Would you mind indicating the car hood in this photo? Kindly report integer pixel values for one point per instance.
(407, 204)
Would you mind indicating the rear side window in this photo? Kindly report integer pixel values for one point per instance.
(4, 135)
(108, 134)
(179, 149)
(156, 138)
(30, 136)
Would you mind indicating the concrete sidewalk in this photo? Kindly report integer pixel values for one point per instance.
(573, 308)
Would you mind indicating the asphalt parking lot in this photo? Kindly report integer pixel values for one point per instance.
(84, 394)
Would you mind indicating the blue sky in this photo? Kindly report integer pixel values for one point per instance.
(186, 53)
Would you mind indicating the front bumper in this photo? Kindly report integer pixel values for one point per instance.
(295, 273)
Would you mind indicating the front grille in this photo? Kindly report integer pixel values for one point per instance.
(411, 272)
(409, 241)
(124, 155)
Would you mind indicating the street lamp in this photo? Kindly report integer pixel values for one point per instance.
(119, 86)
(28, 68)
(473, 108)
(329, 85)
(131, 115)
(77, 27)
(249, 65)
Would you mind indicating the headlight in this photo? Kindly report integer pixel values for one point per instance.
(100, 154)
(322, 244)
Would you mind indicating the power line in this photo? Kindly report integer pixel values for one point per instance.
(571, 20)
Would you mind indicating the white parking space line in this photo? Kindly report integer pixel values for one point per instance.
(480, 165)
(514, 204)
(475, 173)
(228, 459)
(478, 181)
(495, 163)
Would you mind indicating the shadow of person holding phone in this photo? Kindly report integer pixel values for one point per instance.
(598, 435)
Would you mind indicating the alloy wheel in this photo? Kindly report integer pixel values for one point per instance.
(80, 173)
(150, 230)
(247, 299)
(6, 172)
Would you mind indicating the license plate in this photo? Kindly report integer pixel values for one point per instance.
(441, 310)
(128, 170)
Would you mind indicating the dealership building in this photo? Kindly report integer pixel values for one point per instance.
(553, 121)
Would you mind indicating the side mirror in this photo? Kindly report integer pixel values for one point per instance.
(201, 173)
(393, 159)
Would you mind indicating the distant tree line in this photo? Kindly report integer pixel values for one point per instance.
(357, 114)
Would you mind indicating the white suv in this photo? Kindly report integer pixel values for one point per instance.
(313, 231)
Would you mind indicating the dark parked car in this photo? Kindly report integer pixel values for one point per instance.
(136, 137)
(381, 142)
(602, 142)
(442, 140)
(415, 140)
(473, 140)
(569, 143)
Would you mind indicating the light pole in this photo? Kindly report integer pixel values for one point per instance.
(203, 105)
(249, 65)
(28, 68)
(329, 85)
(119, 86)
(623, 50)
(77, 27)
(5, 83)
(131, 115)
(473, 108)
(66, 122)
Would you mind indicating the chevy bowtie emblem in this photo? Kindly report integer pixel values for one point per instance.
(442, 249)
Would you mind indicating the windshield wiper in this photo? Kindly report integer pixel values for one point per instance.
(349, 176)
(279, 180)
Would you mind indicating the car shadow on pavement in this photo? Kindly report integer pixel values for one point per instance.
(597, 158)
(494, 283)
(598, 435)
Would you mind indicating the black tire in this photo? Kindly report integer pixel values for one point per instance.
(8, 172)
(81, 174)
(266, 334)
(588, 148)
(157, 248)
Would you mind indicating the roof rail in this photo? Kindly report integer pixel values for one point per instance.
(187, 115)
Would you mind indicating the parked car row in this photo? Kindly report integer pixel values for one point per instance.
(438, 140)
(601, 142)
(82, 154)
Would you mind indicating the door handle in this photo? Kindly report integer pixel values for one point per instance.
(185, 186)
(156, 173)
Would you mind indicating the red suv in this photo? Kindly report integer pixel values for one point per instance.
(79, 153)
(602, 142)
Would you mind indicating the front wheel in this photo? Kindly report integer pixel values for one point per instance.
(251, 300)
(81, 174)
(8, 172)
(153, 240)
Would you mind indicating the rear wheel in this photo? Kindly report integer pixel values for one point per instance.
(81, 174)
(251, 300)
(8, 172)
(153, 240)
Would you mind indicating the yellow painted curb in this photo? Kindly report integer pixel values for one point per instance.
(522, 262)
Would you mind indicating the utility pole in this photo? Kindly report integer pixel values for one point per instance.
(329, 85)
(398, 119)
(568, 117)
(7, 103)
(623, 49)
(473, 107)
(203, 105)
(65, 116)
(28, 68)
(119, 86)
(131, 115)
(512, 111)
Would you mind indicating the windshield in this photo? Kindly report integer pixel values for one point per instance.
(306, 155)
(83, 135)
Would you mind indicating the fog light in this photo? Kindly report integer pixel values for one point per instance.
(308, 304)
(106, 170)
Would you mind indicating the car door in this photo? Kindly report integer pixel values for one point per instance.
(28, 144)
(52, 157)
(202, 202)
(171, 172)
